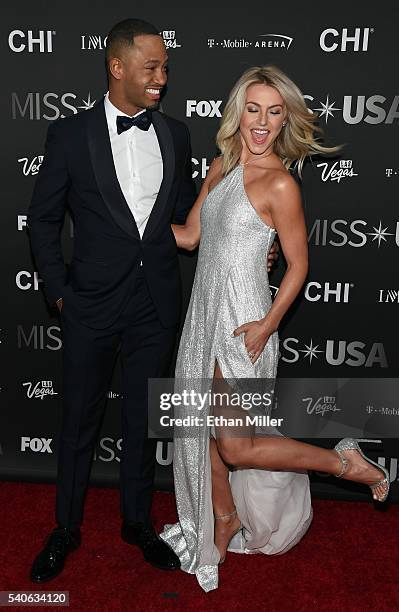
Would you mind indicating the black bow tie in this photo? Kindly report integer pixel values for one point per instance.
(142, 121)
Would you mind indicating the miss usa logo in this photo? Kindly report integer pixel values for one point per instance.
(50, 105)
(355, 233)
(353, 353)
(374, 109)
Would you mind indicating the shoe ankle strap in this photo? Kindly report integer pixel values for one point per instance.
(222, 516)
(344, 464)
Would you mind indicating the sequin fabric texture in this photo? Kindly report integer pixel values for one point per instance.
(231, 287)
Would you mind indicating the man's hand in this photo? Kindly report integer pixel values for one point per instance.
(273, 255)
(60, 303)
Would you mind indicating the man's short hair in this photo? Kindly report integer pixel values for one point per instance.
(124, 32)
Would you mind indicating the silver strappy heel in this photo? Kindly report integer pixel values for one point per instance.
(353, 444)
(222, 516)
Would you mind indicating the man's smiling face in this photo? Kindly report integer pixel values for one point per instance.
(141, 72)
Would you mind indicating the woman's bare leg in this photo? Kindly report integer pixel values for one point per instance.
(278, 453)
(223, 505)
(227, 523)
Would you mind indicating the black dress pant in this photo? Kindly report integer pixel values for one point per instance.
(89, 355)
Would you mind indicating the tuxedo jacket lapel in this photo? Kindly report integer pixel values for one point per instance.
(104, 170)
(168, 157)
(107, 180)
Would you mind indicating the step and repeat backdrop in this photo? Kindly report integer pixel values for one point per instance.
(344, 323)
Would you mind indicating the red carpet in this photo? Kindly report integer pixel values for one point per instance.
(349, 560)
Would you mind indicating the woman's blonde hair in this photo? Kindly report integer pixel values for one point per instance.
(296, 140)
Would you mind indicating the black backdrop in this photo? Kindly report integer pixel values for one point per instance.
(343, 324)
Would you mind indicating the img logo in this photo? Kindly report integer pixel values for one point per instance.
(93, 42)
(388, 296)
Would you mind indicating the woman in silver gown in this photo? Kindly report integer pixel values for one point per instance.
(230, 335)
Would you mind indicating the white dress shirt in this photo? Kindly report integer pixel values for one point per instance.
(138, 165)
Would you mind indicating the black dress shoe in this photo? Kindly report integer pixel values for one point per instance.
(50, 561)
(155, 550)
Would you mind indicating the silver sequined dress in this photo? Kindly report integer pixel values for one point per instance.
(230, 288)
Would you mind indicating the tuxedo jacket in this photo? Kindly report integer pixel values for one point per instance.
(78, 172)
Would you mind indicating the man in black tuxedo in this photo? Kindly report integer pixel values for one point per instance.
(124, 170)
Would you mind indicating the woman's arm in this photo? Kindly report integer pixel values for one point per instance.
(187, 236)
(285, 206)
(288, 219)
